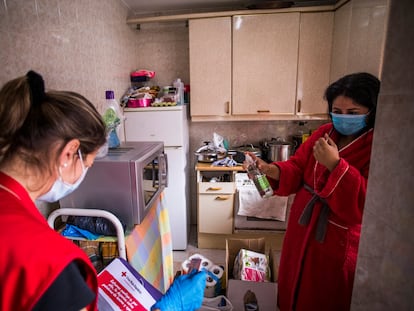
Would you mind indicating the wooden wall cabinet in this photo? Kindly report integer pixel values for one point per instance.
(265, 51)
(210, 66)
(315, 47)
(268, 66)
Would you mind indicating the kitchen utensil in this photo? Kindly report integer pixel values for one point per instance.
(208, 153)
(278, 149)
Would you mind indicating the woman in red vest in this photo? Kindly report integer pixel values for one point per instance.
(48, 140)
(328, 174)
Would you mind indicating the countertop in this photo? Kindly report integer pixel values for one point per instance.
(209, 167)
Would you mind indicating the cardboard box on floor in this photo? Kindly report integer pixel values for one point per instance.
(265, 292)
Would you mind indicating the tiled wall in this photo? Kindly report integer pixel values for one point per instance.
(385, 269)
(79, 45)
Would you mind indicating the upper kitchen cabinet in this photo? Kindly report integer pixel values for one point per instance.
(265, 51)
(315, 45)
(261, 66)
(210, 66)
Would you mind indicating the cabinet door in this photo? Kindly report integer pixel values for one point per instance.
(315, 46)
(340, 41)
(210, 66)
(215, 213)
(265, 51)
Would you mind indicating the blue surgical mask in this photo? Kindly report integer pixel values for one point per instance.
(61, 188)
(349, 124)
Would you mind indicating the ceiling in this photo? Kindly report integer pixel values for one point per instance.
(170, 7)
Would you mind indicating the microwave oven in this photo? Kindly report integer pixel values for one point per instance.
(126, 182)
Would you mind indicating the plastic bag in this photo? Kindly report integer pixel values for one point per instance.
(96, 225)
(218, 141)
(219, 303)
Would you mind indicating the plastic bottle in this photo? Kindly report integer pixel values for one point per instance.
(179, 85)
(304, 130)
(259, 179)
(112, 117)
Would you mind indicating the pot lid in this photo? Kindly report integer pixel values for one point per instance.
(278, 141)
(248, 148)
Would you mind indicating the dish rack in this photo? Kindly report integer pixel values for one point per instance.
(92, 213)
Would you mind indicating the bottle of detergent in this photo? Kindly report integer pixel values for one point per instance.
(112, 117)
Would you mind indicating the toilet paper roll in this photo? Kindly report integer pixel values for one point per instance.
(210, 290)
(206, 264)
(217, 273)
(196, 256)
(185, 265)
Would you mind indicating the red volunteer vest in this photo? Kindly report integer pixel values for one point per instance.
(32, 254)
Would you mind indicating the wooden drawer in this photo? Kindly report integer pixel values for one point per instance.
(216, 187)
(215, 213)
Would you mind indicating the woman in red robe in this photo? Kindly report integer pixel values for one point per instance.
(328, 174)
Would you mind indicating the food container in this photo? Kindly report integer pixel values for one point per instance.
(139, 102)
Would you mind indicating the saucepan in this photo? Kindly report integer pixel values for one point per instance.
(278, 149)
(208, 153)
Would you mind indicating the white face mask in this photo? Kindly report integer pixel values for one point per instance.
(61, 188)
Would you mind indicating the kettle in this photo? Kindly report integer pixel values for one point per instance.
(278, 149)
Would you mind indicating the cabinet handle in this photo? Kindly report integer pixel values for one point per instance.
(221, 198)
(299, 105)
(263, 111)
(227, 107)
(214, 188)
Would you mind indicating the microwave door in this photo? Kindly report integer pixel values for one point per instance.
(163, 164)
(149, 181)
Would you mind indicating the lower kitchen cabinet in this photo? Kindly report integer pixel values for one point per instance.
(215, 193)
(216, 213)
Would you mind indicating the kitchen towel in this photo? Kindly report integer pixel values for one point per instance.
(253, 205)
(149, 247)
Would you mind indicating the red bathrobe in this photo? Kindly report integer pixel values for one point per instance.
(32, 254)
(315, 273)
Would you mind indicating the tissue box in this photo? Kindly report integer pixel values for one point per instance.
(251, 266)
(121, 287)
(264, 292)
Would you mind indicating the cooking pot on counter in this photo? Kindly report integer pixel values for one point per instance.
(278, 149)
(208, 153)
(238, 152)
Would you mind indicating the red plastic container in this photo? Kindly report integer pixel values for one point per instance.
(139, 102)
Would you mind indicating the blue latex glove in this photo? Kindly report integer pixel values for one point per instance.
(185, 294)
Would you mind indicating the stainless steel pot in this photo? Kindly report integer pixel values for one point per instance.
(278, 149)
(209, 153)
(250, 148)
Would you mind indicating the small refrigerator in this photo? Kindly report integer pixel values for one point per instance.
(169, 125)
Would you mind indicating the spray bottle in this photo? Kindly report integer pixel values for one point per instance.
(259, 179)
